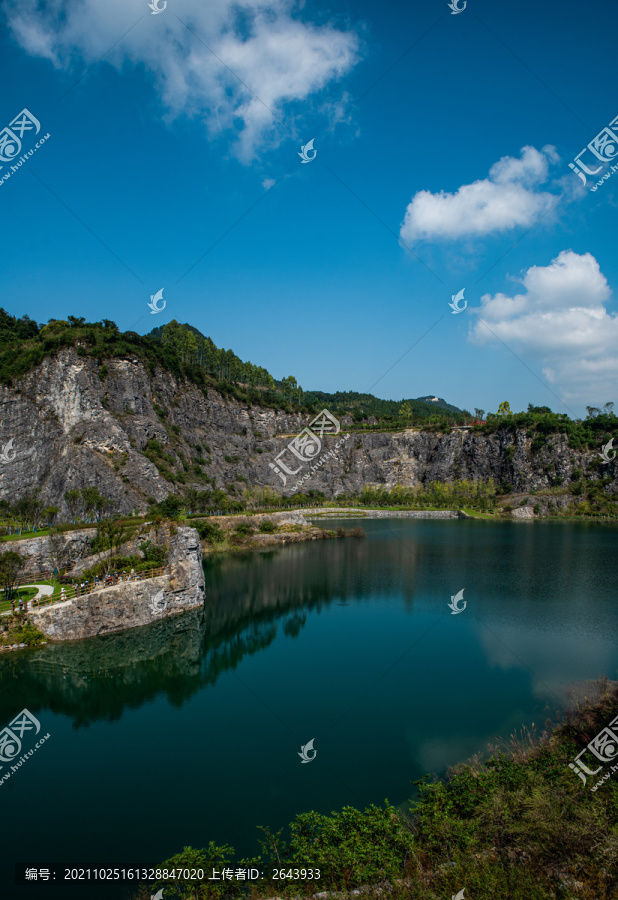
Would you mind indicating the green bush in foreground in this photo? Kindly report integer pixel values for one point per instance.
(520, 826)
(350, 847)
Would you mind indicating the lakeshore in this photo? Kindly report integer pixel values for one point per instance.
(316, 639)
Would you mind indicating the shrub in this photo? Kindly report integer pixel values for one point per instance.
(154, 446)
(350, 847)
(268, 527)
(211, 532)
(153, 554)
(20, 631)
(170, 507)
(243, 528)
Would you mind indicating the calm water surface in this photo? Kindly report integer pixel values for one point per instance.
(188, 731)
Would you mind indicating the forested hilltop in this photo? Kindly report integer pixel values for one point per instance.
(179, 349)
(365, 406)
(96, 421)
(183, 350)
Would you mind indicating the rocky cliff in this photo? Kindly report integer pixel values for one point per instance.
(136, 435)
(131, 604)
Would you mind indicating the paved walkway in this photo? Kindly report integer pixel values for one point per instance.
(44, 590)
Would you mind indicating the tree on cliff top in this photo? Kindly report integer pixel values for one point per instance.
(11, 564)
(55, 548)
(111, 535)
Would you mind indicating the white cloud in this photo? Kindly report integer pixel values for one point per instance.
(507, 198)
(561, 320)
(268, 183)
(280, 58)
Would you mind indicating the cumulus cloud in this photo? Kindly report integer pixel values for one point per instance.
(560, 318)
(273, 57)
(509, 197)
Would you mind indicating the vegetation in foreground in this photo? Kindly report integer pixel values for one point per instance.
(17, 629)
(246, 533)
(585, 496)
(518, 825)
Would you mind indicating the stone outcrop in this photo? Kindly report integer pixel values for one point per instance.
(352, 512)
(523, 512)
(131, 604)
(75, 424)
(35, 551)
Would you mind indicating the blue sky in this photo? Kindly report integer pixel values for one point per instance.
(173, 163)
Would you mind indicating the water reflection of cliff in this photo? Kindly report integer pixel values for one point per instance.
(247, 596)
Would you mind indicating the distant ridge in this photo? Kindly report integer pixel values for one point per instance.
(365, 405)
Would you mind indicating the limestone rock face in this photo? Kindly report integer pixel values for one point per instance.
(35, 551)
(523, 512)
(74, 426)
(131, 604)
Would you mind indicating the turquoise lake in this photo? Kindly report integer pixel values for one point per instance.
(190, 730)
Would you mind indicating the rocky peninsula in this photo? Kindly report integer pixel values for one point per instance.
(131, 604)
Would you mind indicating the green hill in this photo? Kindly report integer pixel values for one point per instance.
(185, 351)
(362, 406)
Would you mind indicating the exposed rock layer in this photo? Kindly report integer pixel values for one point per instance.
(73, 428)
(131, 604)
